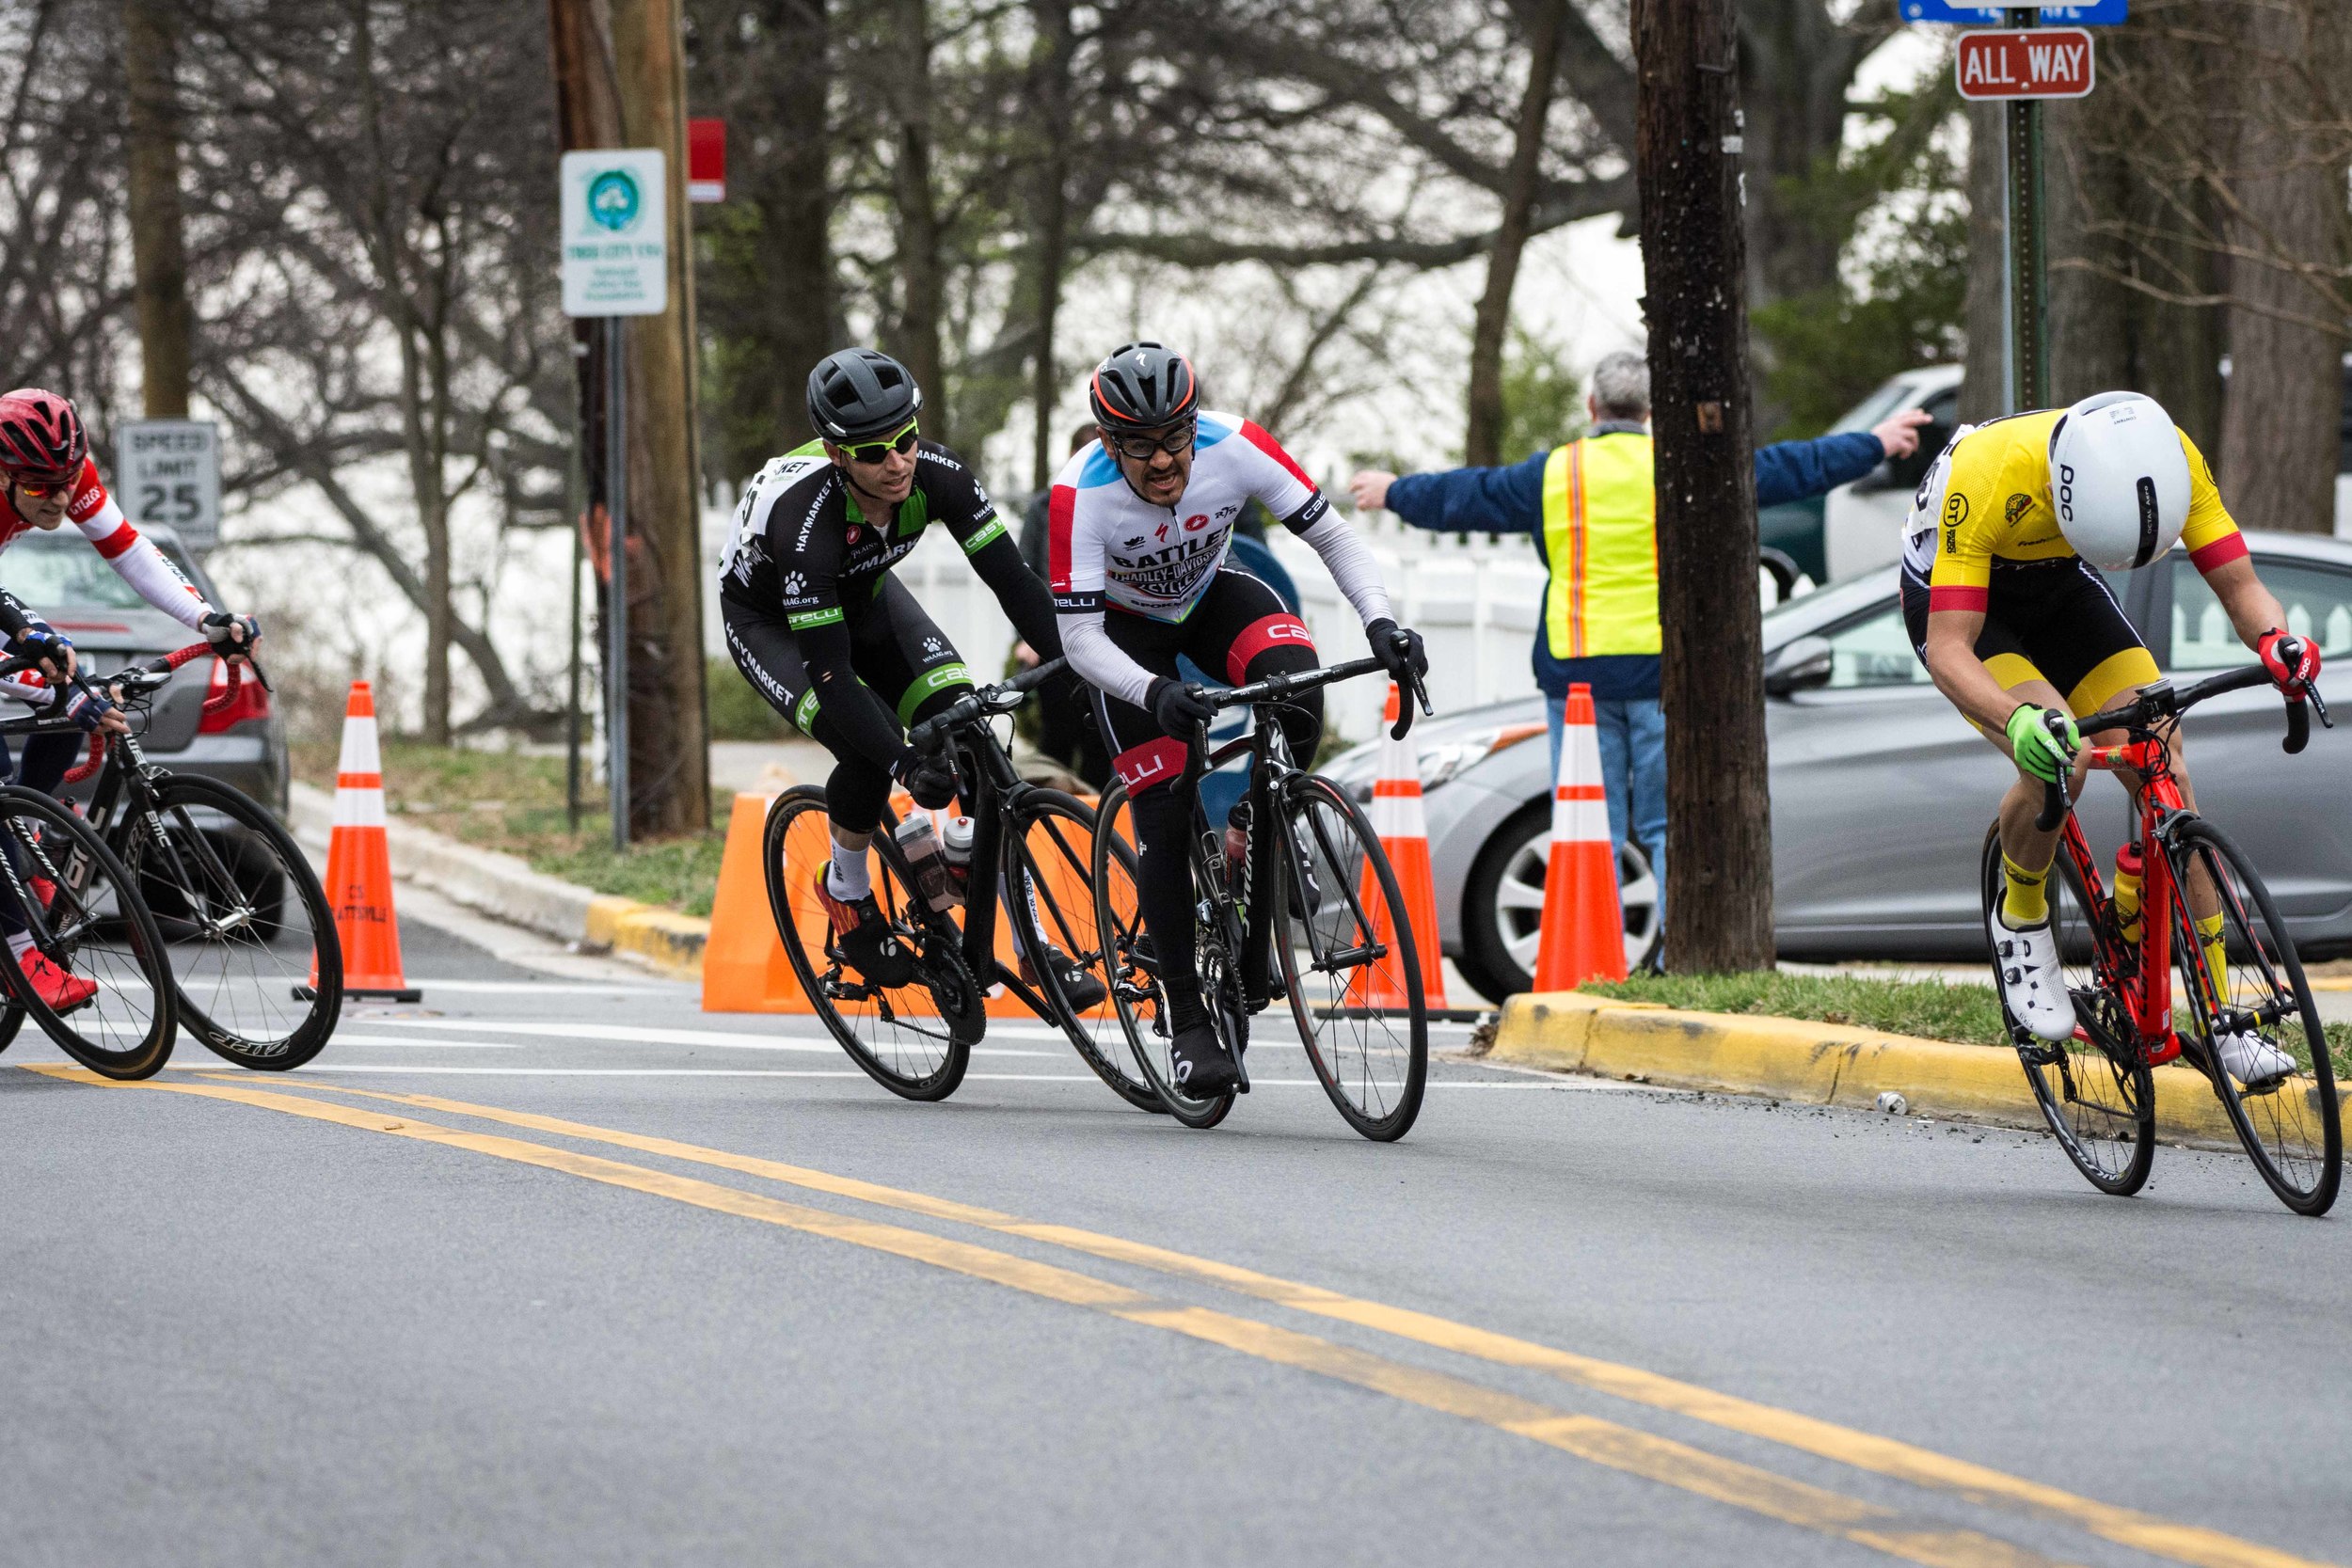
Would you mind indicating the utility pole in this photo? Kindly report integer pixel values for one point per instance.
(621, 82)
(159, 265)
(1718, 837)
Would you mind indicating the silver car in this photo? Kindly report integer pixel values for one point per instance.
(1882, 792)
(71, 585)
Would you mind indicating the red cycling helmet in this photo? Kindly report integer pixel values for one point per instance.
(42, 438)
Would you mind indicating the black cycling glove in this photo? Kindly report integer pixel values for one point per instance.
(1400, 649)
(46, 648)
(222, 629)
(931, 779)
(1179, 707)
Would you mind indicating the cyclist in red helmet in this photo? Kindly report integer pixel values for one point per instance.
(47, 477)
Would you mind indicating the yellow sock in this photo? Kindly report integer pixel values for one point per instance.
(2026, 902)
(2217, 949)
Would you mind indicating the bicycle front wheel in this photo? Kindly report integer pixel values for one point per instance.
(2289, 1124)
(1351, 961)
(2094, 1090)
(914, 1040)
(248, 925)
(88, 920)
(1049, 895)
(1132, 966)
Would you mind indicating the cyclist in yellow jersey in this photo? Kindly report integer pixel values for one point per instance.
(2018, 629)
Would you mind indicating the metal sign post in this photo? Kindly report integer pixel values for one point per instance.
(615, 265)
(2027, 253)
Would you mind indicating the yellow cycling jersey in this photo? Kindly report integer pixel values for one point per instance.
(1987, 499)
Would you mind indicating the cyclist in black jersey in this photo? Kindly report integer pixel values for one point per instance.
(836, 644)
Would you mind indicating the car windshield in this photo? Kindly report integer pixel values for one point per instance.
(52, 571)
(1870, 410)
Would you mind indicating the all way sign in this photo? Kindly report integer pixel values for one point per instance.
(2038, 62)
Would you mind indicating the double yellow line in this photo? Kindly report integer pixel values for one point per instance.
(1599, 1441)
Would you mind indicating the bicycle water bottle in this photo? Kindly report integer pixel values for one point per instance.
(1237, 842)
(2127, 874)
(927, 863)
(955, 841)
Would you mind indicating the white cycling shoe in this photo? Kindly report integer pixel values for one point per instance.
(2252, 1060)
(2030, 982)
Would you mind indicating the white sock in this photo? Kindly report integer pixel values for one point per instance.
(21, 943)
(849, 879)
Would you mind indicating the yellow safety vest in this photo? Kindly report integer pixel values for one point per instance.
(1601, 539)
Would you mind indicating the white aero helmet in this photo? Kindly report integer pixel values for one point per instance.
(2118, 480)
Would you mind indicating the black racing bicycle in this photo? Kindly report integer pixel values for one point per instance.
(64, 888)
(1313, 898)
(254, 952)
(1030, 849)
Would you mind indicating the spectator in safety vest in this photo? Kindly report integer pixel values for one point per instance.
(1591, 506)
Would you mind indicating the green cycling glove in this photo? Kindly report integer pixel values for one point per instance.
(2038, 752)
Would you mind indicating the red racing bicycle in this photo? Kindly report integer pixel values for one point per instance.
(2244, 1003)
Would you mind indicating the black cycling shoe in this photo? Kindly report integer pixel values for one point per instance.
(865, 939)
(1079, 988)
(1201, 1067)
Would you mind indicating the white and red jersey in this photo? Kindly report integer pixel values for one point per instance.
(1110, 549)
(1109, 545)
(136, 557)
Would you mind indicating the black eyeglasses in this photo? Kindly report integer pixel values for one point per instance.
(1138, 448)
(874, 451)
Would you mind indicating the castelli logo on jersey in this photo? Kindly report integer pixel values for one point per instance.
(2066, 492)
(1196, 521)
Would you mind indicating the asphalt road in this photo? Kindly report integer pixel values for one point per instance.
(556, 1269)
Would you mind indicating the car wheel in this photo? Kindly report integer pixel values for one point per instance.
(1503, 905)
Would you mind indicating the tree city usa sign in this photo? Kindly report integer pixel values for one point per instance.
(616, 223)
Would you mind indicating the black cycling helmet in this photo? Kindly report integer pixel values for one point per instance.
(860, 393)
(1144, 387)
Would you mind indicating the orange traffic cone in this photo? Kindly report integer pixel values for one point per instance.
(1583, 930)
(359, 865)
(744, 968)
(1404, 831)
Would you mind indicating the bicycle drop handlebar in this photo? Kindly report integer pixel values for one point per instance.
(2160, 702)
(986, 702)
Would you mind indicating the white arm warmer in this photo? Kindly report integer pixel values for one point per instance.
(1093, 654)
(1352, 567)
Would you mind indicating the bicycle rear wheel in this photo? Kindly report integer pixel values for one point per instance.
(1134, 971)
(2290, 1126)
(2095, 1090)
(914, 1040)
(1049, 895)
(95, 927)
(1350, 959)
(248, 924)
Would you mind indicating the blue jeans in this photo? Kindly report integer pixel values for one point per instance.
(1632, 769)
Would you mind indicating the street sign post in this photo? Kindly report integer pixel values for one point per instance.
(614, 212)
(167, 471)
(2036, 62)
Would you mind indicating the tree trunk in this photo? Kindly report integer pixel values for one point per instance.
(803, 213)
(668, 720)
(1719, 840)
(1483, 441)
(2091, 308)
(1051, 86)
(916, 338)
(2281, 423)
(159, 263)
(1984, 382)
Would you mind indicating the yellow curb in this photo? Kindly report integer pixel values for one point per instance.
(1806, 1063)
(670, 942)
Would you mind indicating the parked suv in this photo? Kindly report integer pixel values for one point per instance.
(71, 586)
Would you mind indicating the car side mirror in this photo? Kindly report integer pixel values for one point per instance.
(1799, 666)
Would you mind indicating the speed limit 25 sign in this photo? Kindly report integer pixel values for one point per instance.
(169, 473)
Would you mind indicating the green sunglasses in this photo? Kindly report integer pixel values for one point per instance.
(874, 451)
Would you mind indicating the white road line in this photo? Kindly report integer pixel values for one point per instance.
(774, 1072)
(542, 987)
(401, 1042)
(631, 1035)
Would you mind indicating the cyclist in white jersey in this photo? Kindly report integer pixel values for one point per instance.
(1141, 527)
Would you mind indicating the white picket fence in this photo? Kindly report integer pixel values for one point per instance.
(1476, 602)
